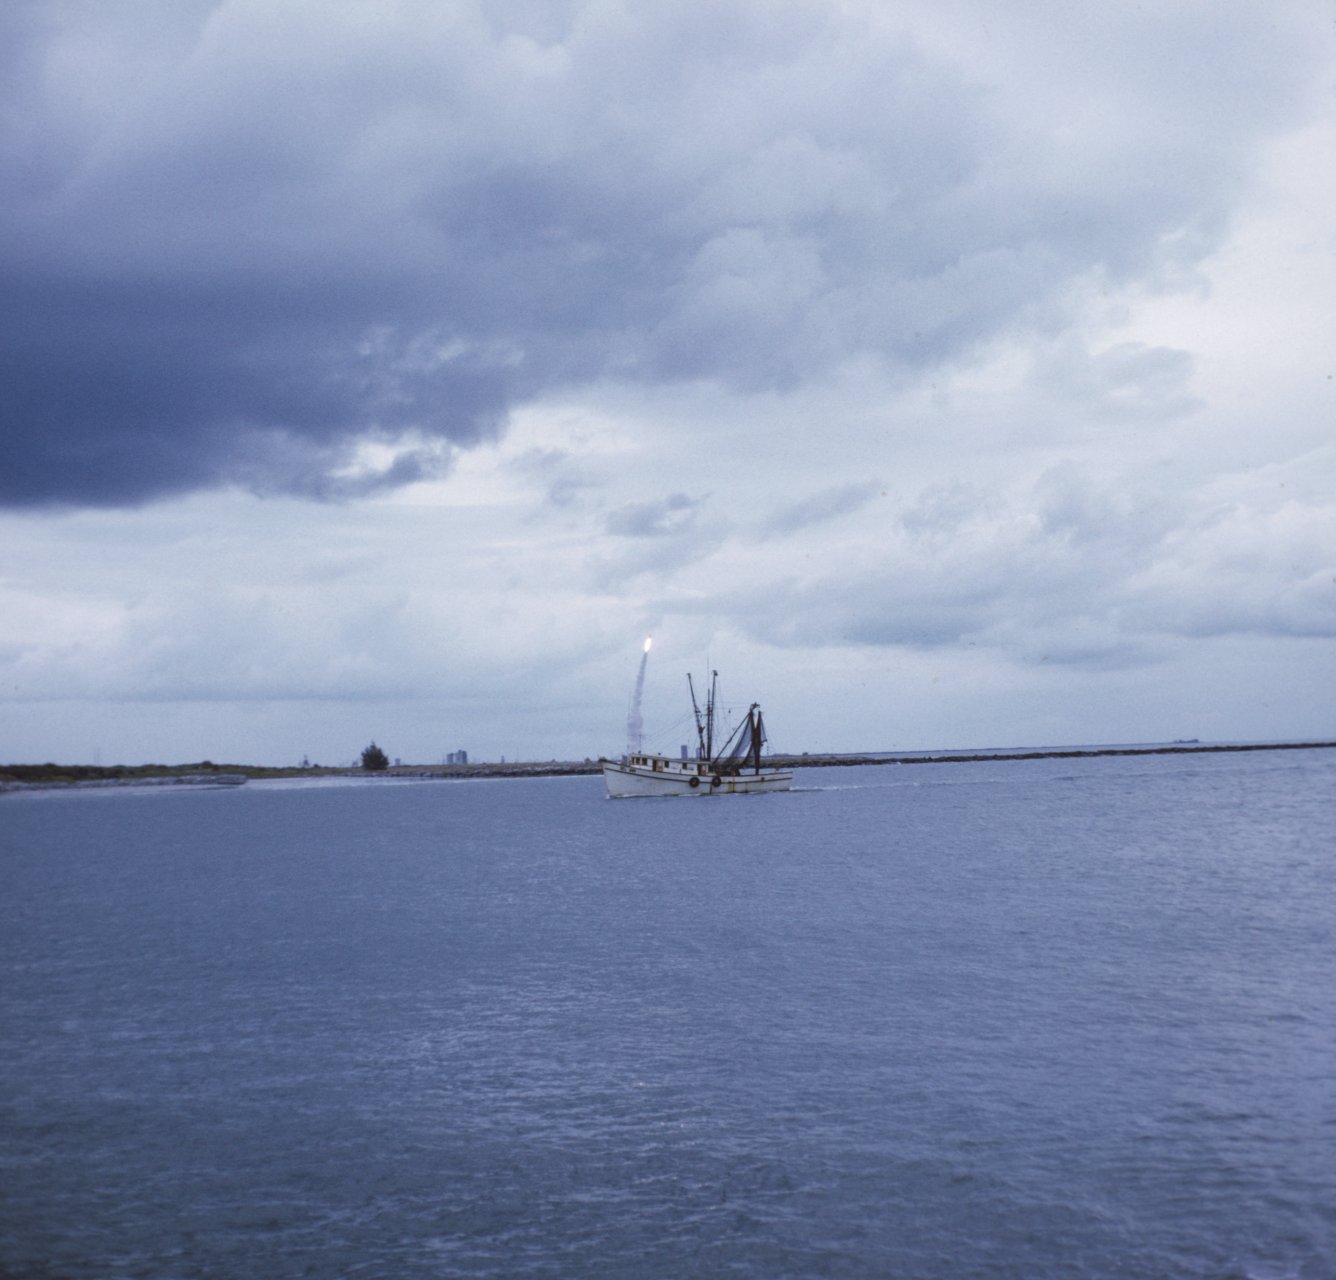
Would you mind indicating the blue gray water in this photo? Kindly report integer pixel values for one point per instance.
(1036, 1019)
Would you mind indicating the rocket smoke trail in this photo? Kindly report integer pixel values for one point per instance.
(635, 725)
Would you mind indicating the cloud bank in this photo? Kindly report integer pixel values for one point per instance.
(318, 250)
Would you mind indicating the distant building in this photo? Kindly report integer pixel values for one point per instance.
(457, 757)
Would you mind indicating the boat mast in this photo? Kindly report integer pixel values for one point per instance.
(701, 753)
(754, 715)
(709, 717)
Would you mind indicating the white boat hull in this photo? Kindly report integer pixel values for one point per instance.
(661, 776)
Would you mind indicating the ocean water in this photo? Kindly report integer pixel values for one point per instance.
(1063, 1018)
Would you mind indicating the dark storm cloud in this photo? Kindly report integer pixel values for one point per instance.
(246, 237)
(119, 391)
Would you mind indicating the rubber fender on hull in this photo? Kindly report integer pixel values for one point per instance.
(693, 782)
(715, 780)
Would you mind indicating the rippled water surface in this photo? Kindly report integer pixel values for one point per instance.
(1027, 1019)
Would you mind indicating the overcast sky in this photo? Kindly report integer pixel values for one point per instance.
(945, 373)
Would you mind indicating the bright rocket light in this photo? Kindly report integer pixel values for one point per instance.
(649, 640)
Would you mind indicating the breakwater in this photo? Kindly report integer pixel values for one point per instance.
(1054, 753)
(558, 768)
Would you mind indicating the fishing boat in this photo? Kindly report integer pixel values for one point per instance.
(735, 770)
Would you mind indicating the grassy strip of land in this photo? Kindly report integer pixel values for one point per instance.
(206, 772)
